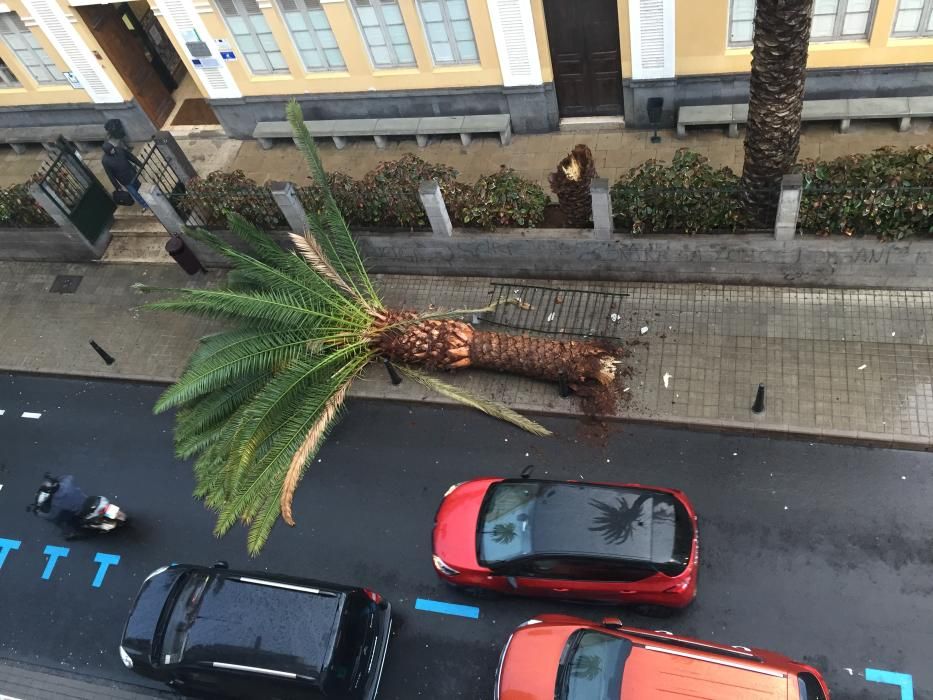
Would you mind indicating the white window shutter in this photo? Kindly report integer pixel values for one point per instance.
(50, 18)
(514, 30)
(652, 38)
(182, 19)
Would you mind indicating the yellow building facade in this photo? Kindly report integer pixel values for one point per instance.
(239, 61)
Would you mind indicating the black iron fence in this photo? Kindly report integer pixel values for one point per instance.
(553, 311)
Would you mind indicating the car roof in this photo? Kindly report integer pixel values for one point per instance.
(618, 522)
(259, 622)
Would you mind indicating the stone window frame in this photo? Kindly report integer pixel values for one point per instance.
(383, 26)
(457, 58)
(924, 25)
(38, 63)
(305, 8)
(840, 14)
(246, 10)
(7, 78)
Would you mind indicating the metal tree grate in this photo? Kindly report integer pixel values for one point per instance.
(553, 311)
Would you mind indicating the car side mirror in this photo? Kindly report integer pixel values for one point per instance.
(220, 565)
(612, 622)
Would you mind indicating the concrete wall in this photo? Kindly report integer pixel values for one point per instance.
(754, 258)
(725, 259)
(533, 109)
(138, 126)
(823, 84)
(49, 245)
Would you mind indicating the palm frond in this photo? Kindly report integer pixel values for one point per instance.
(311, 251)
(308, 449)
(225, 357)
(331, 230)
(487, 406)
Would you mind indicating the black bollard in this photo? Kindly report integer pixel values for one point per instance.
(759, 404)
(562, 387)
(393, 375)
(103, 353)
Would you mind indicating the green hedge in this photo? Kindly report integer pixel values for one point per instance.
(886, 193)
(19, 210)
(387, 197)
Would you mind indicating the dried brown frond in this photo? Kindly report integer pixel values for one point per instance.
(308, 447)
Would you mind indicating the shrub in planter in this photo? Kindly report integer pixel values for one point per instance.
(393, 188)
(503, 199)
(358, 208)
(19, 210)
(886, 193)
(688, 195)
(221, 192)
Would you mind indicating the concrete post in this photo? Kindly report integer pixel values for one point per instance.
(162, 208)
(64, 224)
(286, 198)
(177, 160)
(785, 225)
(602, 208)
(433, 202)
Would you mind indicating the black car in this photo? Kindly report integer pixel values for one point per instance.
(212, 632)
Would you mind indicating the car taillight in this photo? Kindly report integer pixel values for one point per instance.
(373, 596)
(678, 587)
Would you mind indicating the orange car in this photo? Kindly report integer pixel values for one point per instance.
(556, 657)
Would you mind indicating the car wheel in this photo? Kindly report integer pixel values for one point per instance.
(657, 611)
(474, 591)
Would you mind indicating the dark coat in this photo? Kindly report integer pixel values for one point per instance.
(119, 167)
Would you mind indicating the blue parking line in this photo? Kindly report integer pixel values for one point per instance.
(53, 553)
(106, 561)
(6, 546)
(446, 608)
(904, 680)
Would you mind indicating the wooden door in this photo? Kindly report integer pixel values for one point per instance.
(129, 54)
(585, 56)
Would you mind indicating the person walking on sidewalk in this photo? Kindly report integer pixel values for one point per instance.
(119, 165)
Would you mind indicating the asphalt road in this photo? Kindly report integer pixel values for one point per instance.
(821, 552)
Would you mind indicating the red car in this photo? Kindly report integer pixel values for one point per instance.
(616, 543)
(556, 657)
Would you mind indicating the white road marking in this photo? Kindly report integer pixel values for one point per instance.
(27, 414)
(7, 697)
(1, 413)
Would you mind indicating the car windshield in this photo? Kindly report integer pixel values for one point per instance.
(643, 527)
(592, 666)
(184, 613)
(354, 647)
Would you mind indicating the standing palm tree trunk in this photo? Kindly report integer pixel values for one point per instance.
(779, 67)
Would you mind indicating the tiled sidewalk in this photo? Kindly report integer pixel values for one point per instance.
(534, 156)
(20, 681)
(850, 365)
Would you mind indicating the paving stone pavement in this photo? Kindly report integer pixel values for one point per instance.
(852, 365)
(534, 156)
(19, 681)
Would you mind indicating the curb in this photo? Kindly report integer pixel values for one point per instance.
(20, 680)
(861, 438)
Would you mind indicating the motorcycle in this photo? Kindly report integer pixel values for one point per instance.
(61, 500)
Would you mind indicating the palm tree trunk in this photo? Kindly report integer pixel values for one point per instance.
(448, 344)
(779, 65)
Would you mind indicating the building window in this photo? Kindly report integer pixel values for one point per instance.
(312, 34)
(7, 79)
(450, 33)
(833, 20)
(22, 42)
(914, 18)
(252, 36)
(385, 34)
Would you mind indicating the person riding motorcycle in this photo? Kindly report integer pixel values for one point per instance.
(61, 501)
